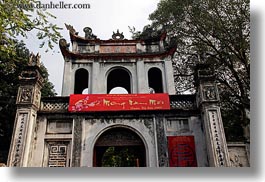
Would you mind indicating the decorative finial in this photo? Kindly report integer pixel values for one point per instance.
(34, 60)
(71, 29)
(63, 43)
(88, 33)
(117, 35)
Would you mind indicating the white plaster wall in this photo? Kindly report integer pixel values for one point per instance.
(199, 139)
(93, 128)
(37, 149)
(67, 78)
(195, 129)
(38, 157)
(98, 72)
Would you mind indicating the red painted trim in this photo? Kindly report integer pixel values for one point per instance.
(181, 151)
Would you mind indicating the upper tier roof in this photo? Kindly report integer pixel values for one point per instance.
(91, 47)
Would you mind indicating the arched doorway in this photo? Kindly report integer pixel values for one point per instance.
(81, 81)
(119, 77)
(155, 80)
(119, 147)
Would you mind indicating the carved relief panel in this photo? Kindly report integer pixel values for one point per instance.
(58, 143)
(209, 93)
(161, 143)
(119, 137)
(37, 98)
(218, 138)
(19, 140)
(29, 95)
(238, 155)
(25, 95)
(57, 154)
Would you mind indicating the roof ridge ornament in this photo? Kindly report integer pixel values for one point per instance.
(88, 33)
(71, 29)
(63, 43)
(34, 60)
(117, 35)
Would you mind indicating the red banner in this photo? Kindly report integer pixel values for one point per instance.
(181, 151)
(118, 102)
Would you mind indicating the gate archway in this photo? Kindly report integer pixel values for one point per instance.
(119, 147)
(119, 77)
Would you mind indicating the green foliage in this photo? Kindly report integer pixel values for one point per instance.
(11, 67)
(7, 117)
(215, 32)
(119, 157)
(19, 17)
(232, 125)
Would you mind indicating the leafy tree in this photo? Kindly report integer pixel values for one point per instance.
(7, 117)
(215, 32)
(12, 66)
(19, 17)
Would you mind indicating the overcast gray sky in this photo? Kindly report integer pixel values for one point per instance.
(104, 17)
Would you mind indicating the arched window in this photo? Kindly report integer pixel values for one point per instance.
(81, 81)
(118, 81)
(155, 80)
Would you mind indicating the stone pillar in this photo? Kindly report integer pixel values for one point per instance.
(77, 142)
(142, 81)
(97, 84)
(162, 148)
(28, 103)
(169, 77)
(68, 82)
(207, 100)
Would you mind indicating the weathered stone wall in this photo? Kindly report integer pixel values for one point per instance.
(184, 126)
(49, 131)
(73, 136)
(238, 155)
